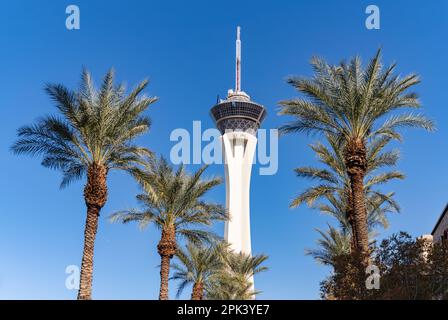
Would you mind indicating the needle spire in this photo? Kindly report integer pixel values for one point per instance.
(238, 61)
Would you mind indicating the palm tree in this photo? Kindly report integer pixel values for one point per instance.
(336, 242)
(349, 102)
(234, 280)
(198, 264)
(332, 244)
(332, 194)
(92, 135)
(172, 200)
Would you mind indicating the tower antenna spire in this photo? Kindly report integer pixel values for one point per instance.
(238, 61)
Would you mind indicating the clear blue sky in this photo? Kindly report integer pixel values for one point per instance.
(187, 49)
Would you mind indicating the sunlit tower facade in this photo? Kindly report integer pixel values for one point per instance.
(238, 119)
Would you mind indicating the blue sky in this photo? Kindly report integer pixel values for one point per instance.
(186, 48)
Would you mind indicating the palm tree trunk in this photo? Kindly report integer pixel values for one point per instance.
(361, 235)
(356, 163)
(85, 286)
(167, 248)
(95, 195)
(198, 291)
(164, 276)
(351, 221)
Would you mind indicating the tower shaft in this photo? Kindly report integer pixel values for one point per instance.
(239, 150)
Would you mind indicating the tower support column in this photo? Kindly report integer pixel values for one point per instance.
(239, 150)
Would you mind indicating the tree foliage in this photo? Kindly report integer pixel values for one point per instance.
(234, 280)
(174, 198)
(93, 126)
(409, 270)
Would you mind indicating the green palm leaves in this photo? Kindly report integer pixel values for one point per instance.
(93, 126)
(348, 102)
(216, 272)
(331, 194)
(234, 280)
(174, 198)
(197, 265)
(331, 244)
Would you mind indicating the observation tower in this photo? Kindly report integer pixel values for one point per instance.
(238, 119)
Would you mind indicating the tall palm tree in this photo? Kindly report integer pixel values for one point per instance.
(349, 103)
(234, 280)
(198, 264)
(92, 134)
(173, 201)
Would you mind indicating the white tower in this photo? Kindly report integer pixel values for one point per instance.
(238, 118)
